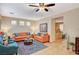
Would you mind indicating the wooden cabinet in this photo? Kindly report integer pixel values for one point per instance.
(77, 45)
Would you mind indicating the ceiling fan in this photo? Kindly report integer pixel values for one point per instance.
(42, 6)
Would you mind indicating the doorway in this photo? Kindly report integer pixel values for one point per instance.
(58, 31)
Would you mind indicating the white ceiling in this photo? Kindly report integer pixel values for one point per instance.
(22, 10)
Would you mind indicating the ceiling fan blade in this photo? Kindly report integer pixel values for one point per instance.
(37, 10)
(33, 5)
(49, 5)
(46, 9)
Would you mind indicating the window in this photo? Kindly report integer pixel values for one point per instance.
(13, 22)
(28, 23)
(21, 23)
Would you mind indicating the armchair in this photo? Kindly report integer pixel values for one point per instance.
(12, 48)
(42, 37)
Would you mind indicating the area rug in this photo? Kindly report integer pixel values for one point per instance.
(29, 49)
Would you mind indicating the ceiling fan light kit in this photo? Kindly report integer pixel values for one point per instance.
(43, 6)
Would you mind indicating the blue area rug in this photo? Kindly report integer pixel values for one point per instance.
(29, 49)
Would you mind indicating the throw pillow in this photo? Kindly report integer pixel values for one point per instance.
(28, 33)
(5, 39)
(39, 34)
(5, 42)
(16, 34)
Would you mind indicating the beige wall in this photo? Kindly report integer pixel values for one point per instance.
(6, 23)
(54, 20)
(53, 30)
(0, 16)
(49, 22)
(70, 19)
(51, 26)
(71, 24)
(0, 22)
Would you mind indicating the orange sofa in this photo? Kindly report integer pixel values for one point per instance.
(21, 36)
(42, 38)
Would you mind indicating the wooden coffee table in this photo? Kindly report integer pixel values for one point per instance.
(28, 41)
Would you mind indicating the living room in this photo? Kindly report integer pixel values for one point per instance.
(19, 19)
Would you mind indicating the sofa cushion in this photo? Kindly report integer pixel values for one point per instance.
(22, 34)
(19, 37)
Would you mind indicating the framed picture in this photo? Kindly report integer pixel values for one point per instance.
(43, 27)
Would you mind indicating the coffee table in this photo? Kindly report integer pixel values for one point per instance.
(28, 41)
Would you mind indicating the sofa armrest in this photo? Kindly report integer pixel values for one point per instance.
(12, 45)
(10, 49)
(9, 45)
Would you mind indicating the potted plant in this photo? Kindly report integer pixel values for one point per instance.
(72, 44)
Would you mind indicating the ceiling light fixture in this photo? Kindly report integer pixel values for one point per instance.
(42, 6)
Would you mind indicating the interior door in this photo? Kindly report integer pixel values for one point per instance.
(58, 34)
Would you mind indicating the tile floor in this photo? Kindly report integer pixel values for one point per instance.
(56, 48)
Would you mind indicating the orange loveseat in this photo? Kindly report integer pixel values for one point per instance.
(21, 36)
(42, 38)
